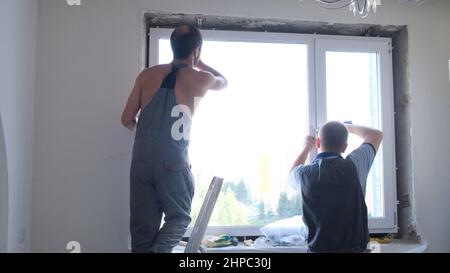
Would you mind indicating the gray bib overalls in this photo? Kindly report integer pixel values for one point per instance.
(161, 178)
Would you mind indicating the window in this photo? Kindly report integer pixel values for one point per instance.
(281, 87)
(354, 82)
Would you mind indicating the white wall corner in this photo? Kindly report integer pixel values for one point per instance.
(3, 192)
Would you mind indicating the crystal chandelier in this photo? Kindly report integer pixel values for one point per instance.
(358, 7)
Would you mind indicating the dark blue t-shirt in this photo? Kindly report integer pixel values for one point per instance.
(334, 208)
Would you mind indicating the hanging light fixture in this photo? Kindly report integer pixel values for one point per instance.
(358, 7)
(363, 7)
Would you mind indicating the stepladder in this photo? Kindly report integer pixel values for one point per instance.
(202, 222)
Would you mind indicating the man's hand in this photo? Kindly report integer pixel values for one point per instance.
(307, 148)
(200, 65)
(310, 143)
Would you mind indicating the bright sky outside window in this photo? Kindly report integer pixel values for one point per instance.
(353, 94)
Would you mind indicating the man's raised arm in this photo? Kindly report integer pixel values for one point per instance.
(216, 81)
(369, 135)
(307, 148)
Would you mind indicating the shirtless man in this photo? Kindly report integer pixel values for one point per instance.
(161, 179)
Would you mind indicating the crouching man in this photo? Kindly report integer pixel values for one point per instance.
(333, 188)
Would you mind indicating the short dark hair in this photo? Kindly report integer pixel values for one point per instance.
(184, 40)
(333, 136)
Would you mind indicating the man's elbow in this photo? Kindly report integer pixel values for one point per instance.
(221, 83)
(376, 138)
(224, 83)
(125, 124)
(126, 121)
(379, 135)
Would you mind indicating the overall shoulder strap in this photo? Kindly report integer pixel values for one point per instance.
(170, 80)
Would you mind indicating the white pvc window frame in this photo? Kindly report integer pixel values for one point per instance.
(317, 45)
(382, 47)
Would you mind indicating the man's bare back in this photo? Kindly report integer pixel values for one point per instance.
(192, 84)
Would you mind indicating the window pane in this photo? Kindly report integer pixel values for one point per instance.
(353, 94)
(250, 133)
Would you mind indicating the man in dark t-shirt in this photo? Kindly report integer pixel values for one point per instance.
(333, 188)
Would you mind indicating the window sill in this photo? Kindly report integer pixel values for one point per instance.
(398, 246)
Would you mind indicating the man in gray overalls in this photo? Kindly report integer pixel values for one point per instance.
(161, 178)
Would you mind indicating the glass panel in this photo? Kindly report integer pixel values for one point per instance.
(353, 95)
(251, 133)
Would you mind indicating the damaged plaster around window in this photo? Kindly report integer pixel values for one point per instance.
(403, 132)
(402, 94)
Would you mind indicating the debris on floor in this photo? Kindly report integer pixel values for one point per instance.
(219, 241)
(248, 243)
(387, 239)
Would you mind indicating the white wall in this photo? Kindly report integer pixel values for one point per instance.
(88, 58)
(18, 27)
